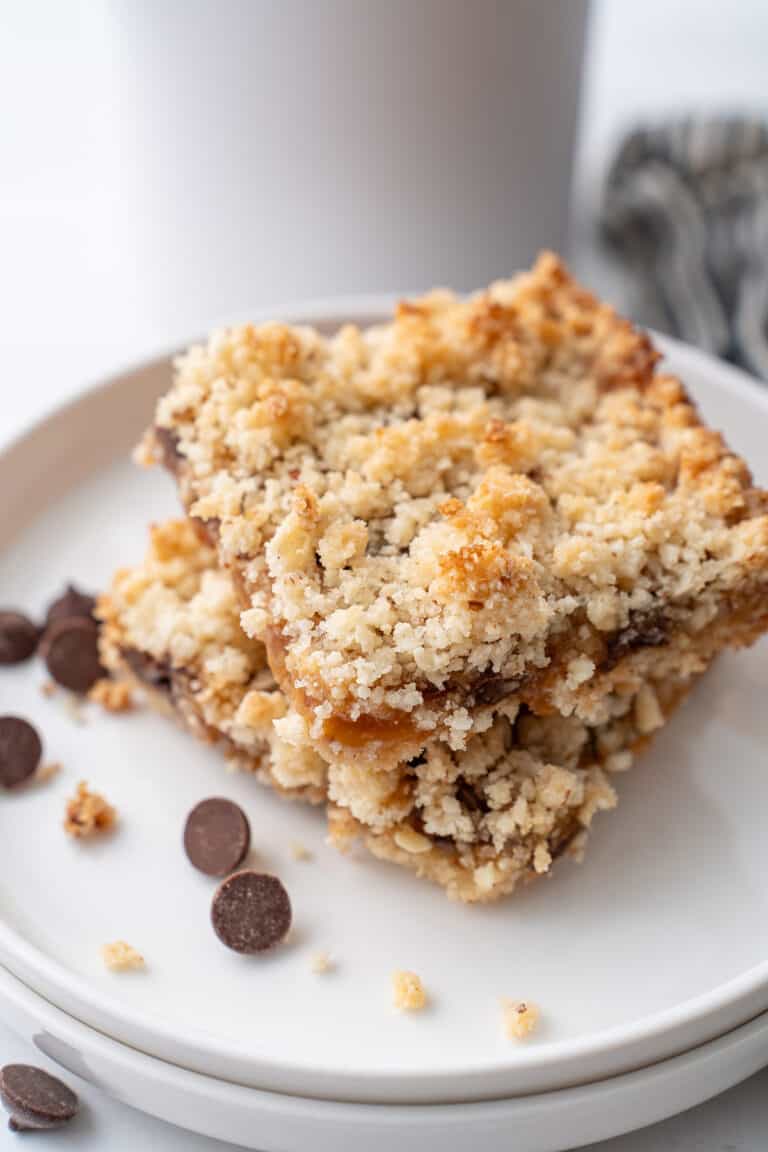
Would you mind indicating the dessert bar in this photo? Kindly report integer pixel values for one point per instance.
(477, 821)
(488, 501)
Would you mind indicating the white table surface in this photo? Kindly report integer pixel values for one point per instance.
(62, 258)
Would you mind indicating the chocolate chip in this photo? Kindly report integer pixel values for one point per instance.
(467, 796)
(156, 673)
(71, 650)
(19, 637)
(21, 750)
(217, 836)
(34, 1098)
(168, 443)
(644, 630)
(70, 605)
(494, 689)
(251, 912)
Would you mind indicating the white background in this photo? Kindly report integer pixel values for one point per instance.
(82, 291)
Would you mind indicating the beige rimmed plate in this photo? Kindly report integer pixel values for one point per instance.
(658, 942)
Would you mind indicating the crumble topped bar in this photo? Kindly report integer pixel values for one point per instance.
(477, 821)
(171, 626)
(491, 498)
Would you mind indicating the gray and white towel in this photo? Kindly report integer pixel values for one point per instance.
(686, 204)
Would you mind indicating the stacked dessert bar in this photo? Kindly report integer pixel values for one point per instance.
(446, 574)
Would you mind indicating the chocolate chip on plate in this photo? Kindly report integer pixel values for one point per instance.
(70, 605)
(19, 637)
(21, 750)
(251, 912)
(34, 1098)
(217, 836)
(71, 651)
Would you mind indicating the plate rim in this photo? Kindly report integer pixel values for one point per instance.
(740, 995)
(82, 1043)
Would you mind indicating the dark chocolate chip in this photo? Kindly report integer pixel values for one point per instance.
(469, 797)
(217, 836)
(34, 1098)
(644, 630)
(494, 689)
(19, 637)
(71, 650)
(156, 673)
(71, 604)
(168, 442)
(251, 912)
(21, 750)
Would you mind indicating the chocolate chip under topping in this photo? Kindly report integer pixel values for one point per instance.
(21, 750)
(71, 650)
(217, 836)
(157, 673)
(493, 689)
(19, 637)
(34, 1098)
(168, 443)
(251, 912)
(644, 630)
(70, 605)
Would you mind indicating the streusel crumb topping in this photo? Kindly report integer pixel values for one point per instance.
(420, 506)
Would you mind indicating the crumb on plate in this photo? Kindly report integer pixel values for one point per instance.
(409, 994)
(299, 851)
(47, 771)
(520, 1018)
(112, 695)
(122, 957)
(48, 688)
(88, 813)
(321, 962)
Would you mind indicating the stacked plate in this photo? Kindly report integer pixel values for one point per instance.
(648, 961)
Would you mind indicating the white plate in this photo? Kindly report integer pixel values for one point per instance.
(272, 1122)
(657, 943)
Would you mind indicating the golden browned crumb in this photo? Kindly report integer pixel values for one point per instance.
(47, 771)
(520, 1018)
(122, 957)
(88, 813)
(490, 497)
(299, 851)
(49, 688)
(408, 992)
(321, 962)
(112, 695)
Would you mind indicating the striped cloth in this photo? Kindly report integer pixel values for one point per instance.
(686, 205)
